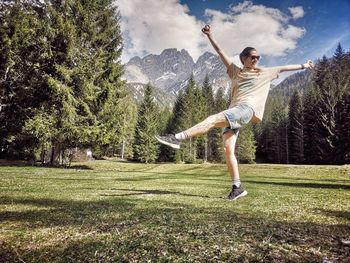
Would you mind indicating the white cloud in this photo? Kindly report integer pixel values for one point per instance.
(293, 32)
(153, 25)
(266, 29)
(297, 11)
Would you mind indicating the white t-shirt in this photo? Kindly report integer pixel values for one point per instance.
(251, 87)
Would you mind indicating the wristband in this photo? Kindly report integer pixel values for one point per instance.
(302, 66)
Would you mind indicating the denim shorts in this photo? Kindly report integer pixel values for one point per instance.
(237, 117)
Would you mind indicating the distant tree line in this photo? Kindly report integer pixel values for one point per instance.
(313, 127)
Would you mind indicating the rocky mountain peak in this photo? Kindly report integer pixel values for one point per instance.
(206, 55)
(170, 71)
(135, 61)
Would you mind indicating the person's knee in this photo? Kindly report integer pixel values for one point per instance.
(226, 150)
(210, 121)
(229, 149)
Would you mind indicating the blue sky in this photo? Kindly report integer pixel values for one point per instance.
(284, 32)
(326, 22)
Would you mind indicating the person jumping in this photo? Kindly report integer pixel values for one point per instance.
(249, 90)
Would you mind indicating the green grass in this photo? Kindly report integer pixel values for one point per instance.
(108, 211)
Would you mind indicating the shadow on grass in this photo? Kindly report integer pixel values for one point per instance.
(78, 167)
(208, 173)
(122, 230)
(4, 163)
(340, 214)
(299, 179)
(304, 185)
(168, 176)
(52, 212)
(137, 192)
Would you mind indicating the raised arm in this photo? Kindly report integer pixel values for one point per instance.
(308, 64)
(206, 30)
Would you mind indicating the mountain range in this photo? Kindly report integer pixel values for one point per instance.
(170, 71)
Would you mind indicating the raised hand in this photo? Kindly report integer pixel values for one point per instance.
(206, 30)
(309, 64)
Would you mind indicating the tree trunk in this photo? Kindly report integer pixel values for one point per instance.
(123, 148)
(42, 155)
(56, 155)
(190, 147)
(287, 145)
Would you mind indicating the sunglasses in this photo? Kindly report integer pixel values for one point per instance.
(255, 57)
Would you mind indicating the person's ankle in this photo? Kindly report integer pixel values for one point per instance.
(236, 182)
(181, 136)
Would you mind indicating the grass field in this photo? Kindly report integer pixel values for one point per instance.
(109, 211)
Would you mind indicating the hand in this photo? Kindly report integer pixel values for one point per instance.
(206, 30)
(309, 64)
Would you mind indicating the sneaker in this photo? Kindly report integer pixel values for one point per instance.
(236, 193)
(169, 140)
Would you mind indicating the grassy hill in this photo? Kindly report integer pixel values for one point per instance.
(108, 211)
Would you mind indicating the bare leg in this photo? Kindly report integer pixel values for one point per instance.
(214, 121)
(230, 139)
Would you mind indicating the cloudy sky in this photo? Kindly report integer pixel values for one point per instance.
(283, 31)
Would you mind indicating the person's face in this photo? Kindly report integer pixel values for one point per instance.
(252, 59)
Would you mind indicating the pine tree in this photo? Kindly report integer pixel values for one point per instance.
(61, 59)
(164, 117)
(341, 61)
(311, 125)
(127, 130)
(166, 154)
(199, 113)
(175, 123)
(296, 141)
(326, 111)
(145, 145)
(246, 148)
(187, 117)
(262, 132)
(221, 104)
(24, 56)
(343, 131)
(275, 128)
(208, 95)
(117, 132)
(173, 126)
(89, 72)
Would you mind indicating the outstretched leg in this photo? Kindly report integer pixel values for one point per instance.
(234, 118)
(214, 121)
